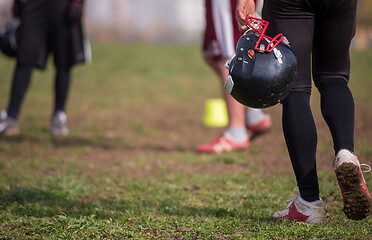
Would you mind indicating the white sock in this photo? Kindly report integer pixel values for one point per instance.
(253, 116)
(238, 134)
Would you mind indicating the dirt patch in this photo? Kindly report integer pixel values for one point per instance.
(149, 143)
(156, 136)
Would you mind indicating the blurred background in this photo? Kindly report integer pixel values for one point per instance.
(166, 21)
(160, 21)
(129, 169)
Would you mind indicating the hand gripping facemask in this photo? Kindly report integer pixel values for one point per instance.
(263, 69)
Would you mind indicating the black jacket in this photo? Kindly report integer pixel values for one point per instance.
(46, 28)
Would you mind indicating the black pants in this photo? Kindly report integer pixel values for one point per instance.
(320, 33)
(21, 82)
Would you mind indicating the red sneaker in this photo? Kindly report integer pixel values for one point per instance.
(357, 200)
(263, 126)
(303, 211)
(222, 144)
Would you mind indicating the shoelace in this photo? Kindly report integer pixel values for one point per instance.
(366, 170)
(366, 166)
(291, 200)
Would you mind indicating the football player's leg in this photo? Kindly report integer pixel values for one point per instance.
(227, 35)
(331, 75)
(61, 88)
(301, 138)
(20, 84)
(218, 47)
(298, 123)
(331, 71)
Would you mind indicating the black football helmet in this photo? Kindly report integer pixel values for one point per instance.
(263, 69)
(9, 38)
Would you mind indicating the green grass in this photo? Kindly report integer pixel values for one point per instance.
(128, 169)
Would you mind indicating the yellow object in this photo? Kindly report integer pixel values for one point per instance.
(215, 114)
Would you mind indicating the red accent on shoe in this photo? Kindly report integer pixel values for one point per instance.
(260, 127)
(364, 184)
(302, 211)
(293, 214)
(222, 144)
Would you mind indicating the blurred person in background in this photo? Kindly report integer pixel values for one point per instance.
(46, 26)
(220, 38)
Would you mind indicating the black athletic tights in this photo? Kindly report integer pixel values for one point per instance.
(337, 108)
(320, 33)
(21, 82)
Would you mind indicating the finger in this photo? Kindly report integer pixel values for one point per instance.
(243, 9)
